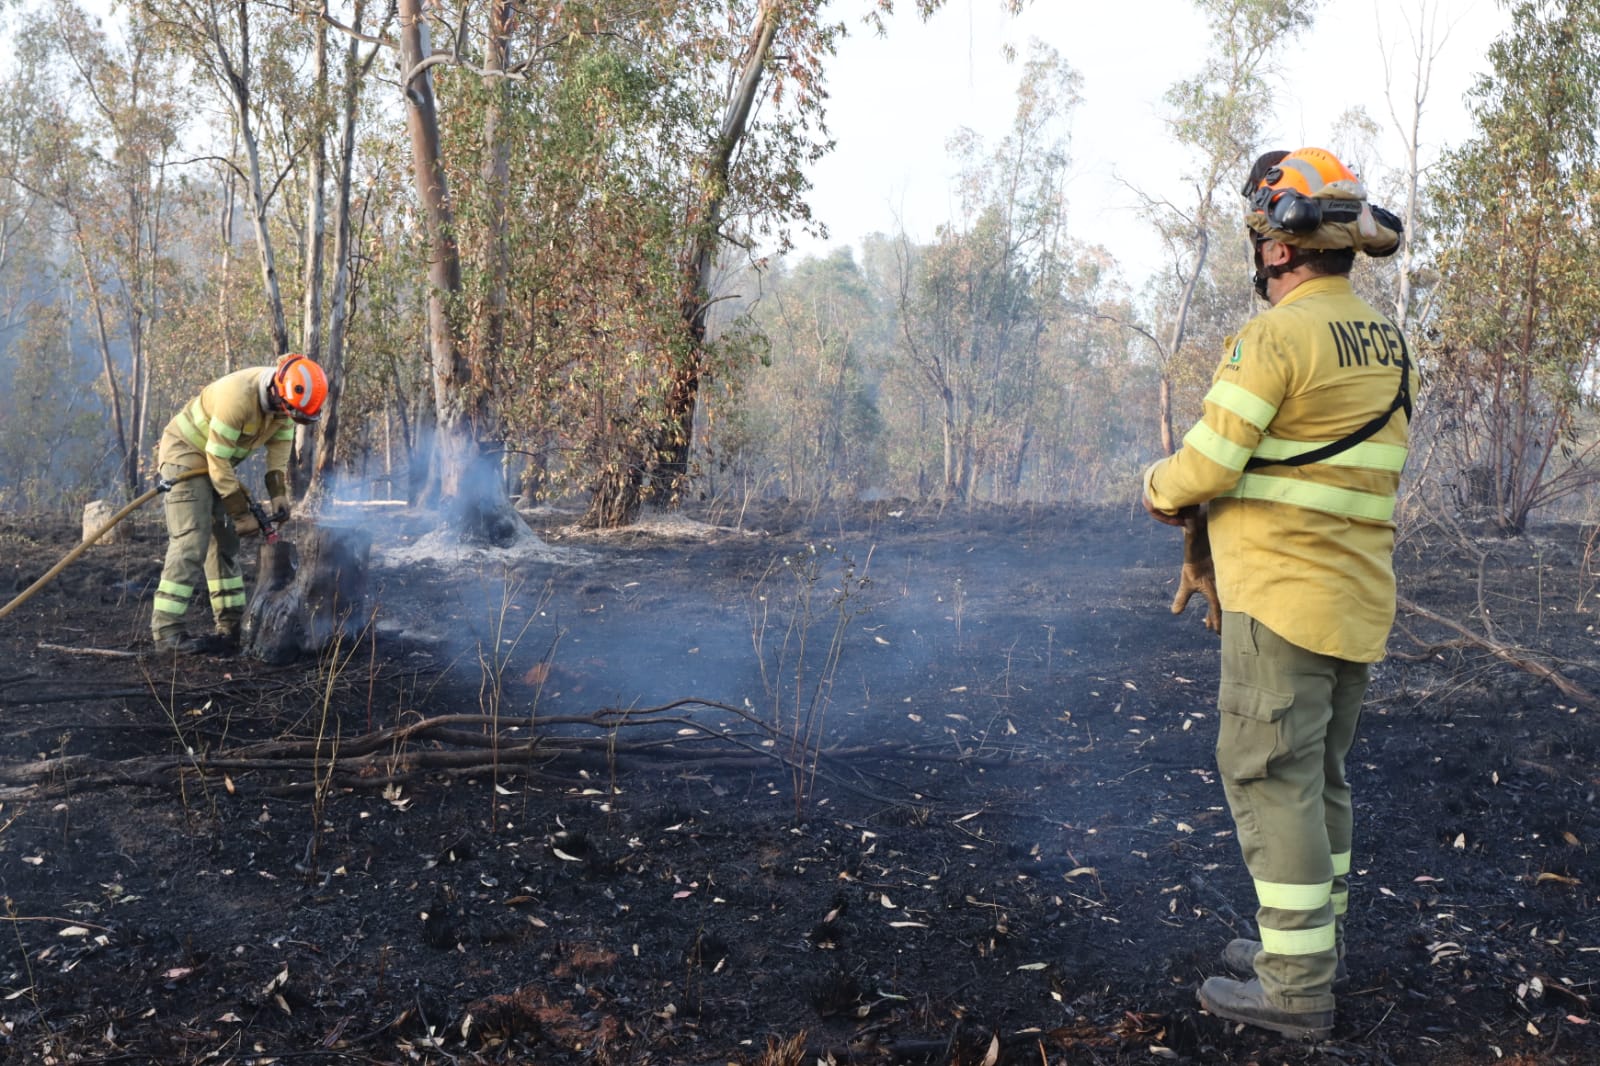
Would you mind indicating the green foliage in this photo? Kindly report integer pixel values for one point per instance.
(1512, 348)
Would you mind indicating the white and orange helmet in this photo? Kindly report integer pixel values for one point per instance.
(300, 386)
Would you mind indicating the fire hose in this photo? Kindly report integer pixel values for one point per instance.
(162, 485)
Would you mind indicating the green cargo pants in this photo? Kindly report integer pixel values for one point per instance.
(1288, 719)
(200, 541)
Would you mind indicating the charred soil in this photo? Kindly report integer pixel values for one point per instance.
(898, 786)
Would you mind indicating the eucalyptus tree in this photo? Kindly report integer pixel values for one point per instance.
(759, 66)
(1513, 343)
(105, 114)
(974, 306)
(232, 42)
(317, 446)
(1427, 40)
(1217, 116)
(650, 141)
(734, 60)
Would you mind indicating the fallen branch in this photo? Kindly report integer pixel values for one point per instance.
(1516, 657)
(104, 653)
(433, 745)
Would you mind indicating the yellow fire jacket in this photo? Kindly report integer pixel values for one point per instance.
(1307, 550)
(219, 428)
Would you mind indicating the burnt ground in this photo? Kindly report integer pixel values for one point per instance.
(1014, 848)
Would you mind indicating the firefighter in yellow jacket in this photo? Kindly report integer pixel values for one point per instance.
(1297, 460)
(206, 516)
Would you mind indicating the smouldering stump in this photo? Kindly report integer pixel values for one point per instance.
(311, 589)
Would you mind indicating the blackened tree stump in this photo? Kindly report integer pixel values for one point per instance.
(311, 589)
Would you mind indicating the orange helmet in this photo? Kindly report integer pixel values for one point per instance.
(1296, 192)
(1309, 198)
(301, 387)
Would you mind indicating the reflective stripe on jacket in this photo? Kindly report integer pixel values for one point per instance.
(1306, 550)
(221, 427)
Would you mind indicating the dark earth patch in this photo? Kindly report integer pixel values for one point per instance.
(1018, 854)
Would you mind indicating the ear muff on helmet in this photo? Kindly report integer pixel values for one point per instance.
(1293, 212)
(301, 386)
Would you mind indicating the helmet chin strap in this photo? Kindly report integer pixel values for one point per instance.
(1266, 273)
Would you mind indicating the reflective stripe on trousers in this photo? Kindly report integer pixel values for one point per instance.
(201, 546)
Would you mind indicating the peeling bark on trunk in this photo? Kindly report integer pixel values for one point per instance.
(700, 260)
(310, 591)
(463, 480)
(306, 438)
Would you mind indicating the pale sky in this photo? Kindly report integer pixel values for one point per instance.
(895, 101)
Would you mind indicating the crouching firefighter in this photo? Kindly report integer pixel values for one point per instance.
(1298, 460)
(206, 516)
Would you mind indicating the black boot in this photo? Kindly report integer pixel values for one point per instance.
(180, 644)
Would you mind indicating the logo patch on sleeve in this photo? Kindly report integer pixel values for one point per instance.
(1238, 351)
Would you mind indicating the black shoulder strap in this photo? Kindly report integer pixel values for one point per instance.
(1402, 400)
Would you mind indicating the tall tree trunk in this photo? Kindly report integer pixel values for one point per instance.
(700, 258)
(128, 458)
(1180, 328)
(238, 78)
(316, 218)
(459, 477)
(339, 308)
(952, 458)
(496, 174)
(223, 325)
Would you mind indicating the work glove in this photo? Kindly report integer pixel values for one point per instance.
(1170, 518)
(1198, 575)
(246, 525)
(278, 490)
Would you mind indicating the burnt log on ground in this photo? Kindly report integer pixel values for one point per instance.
(311, 589)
